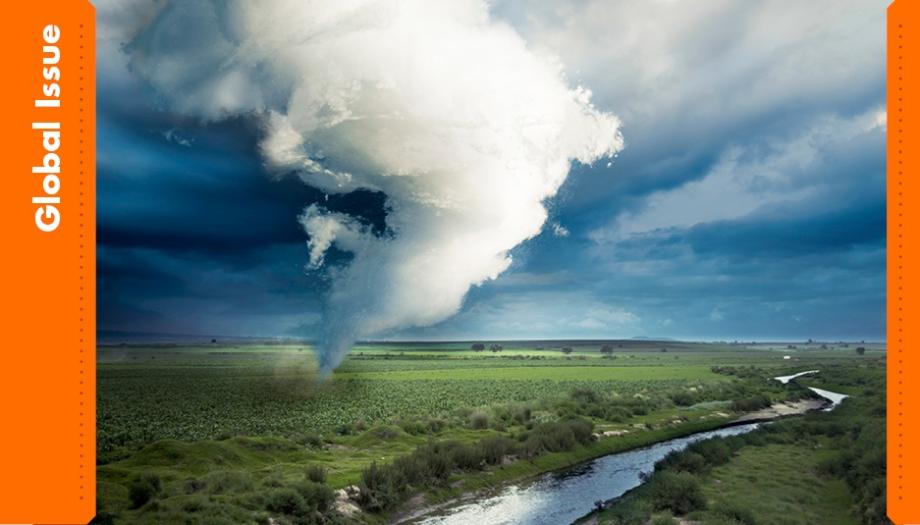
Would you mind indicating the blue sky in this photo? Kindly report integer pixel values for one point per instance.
(748, 202)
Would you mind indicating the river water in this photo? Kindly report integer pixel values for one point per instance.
(560, 498)
(563, 497)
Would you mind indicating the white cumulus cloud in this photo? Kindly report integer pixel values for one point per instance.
(449, 113)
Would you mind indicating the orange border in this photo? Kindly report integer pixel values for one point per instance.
(903, 393)
(47, 375)
(47, 389)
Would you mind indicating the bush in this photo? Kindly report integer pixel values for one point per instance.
(195, 504)
(734, 512)
(664, 520)
(144, 489)
(436, 425)
(582, 429)
(413, 427)
(683, 461)
(309, 439)
(286, 501)
(192, 485)
(558, 436)
(521, 414)
(316, 473)
(229, 481)
(465, 457)
(316, 495)
(678, 492)
(683, 398)
(495, 448)
(617, 414)
(714, 451)
(479, 420)
(750, 404)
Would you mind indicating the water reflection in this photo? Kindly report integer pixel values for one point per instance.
(561, 498)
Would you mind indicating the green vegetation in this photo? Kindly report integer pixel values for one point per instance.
(241, 434)
(825, 467)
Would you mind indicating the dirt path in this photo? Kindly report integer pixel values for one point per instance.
(789, 408)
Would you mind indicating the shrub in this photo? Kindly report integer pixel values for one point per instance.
(479, 420)
(309, 439)
(194, 504)
(734, 512)
(192, 485)
(678, 492)
(714, 451)
(144, 489)
(465, 457)
(683, 398)
(286, 501)
(585, 395)
(749, 404)
(436, 425)
(683, 461)
(582, 429)
(316, 495)
(550, 437)
(617, 414)
(316, 473)
(495, 448)
(664, 520)
(413, 427)
(229, 481)
(521, 413)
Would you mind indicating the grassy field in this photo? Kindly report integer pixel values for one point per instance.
(825, 467)
(780, 485)
(222, 433)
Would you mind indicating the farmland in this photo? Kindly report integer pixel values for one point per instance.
(198, 419)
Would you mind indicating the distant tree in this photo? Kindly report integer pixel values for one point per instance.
(861, 350)
(607, 349)
(566, 350)
(823, 347)
(664, 349)
(479, 347)
(496, 348)
(213, 341)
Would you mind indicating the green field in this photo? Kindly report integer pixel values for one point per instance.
(218, 433)
(823, 467)
(779, 484)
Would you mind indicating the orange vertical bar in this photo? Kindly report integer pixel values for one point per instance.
(47, 388)
(903, 221)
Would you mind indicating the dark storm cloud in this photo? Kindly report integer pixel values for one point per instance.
(749, 201)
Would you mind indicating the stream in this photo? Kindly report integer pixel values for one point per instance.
(560, 498)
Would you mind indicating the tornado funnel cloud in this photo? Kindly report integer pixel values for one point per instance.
(445, 110)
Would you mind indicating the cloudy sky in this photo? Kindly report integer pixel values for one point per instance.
(748, 200)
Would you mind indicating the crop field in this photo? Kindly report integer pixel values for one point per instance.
(211, 391)
(262, 414)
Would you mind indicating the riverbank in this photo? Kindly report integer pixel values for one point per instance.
(487, 484)
(483, 484)
(821, 468)
(789, 408)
